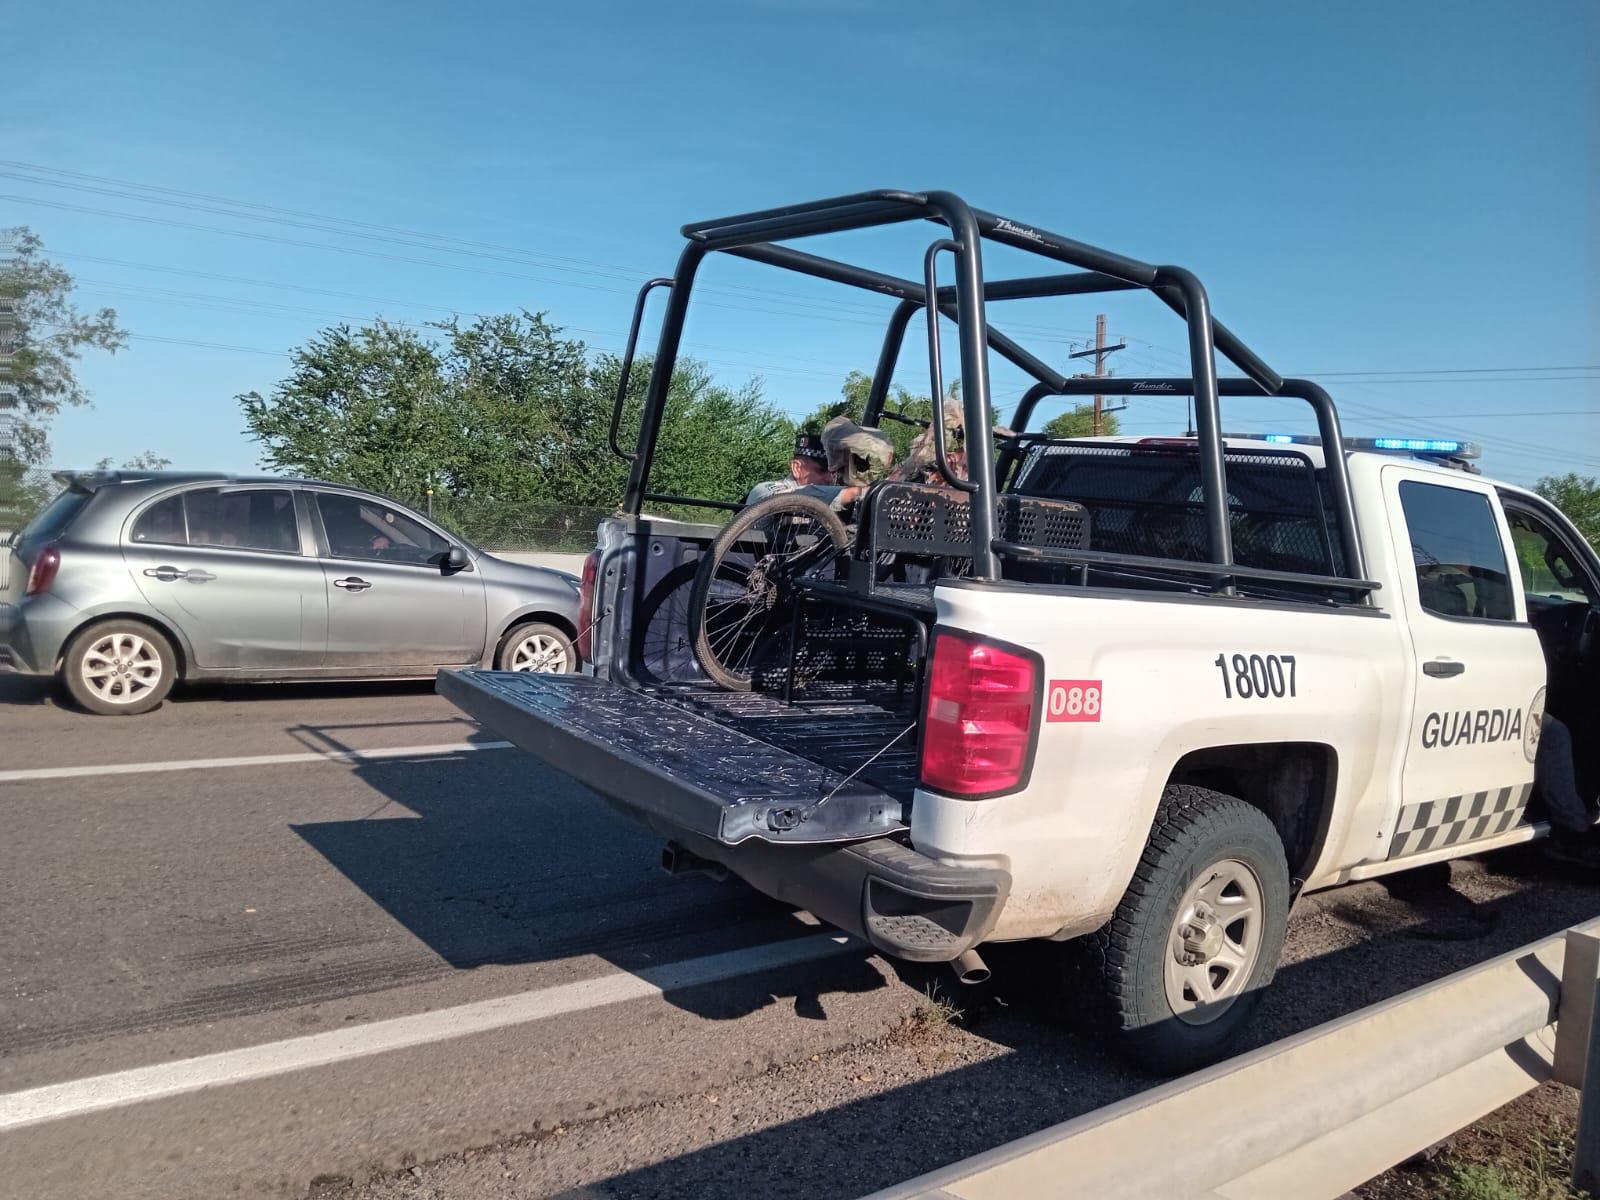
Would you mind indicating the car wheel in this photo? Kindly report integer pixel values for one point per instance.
(1179, 968)
(537, 648)
(119, 668)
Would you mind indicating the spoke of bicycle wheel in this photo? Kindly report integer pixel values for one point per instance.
(750, 644)
(733, 612)
(728, 636)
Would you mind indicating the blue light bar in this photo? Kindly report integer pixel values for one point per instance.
(1451, 448)
(1420, 445)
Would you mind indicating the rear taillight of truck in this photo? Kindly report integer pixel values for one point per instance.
(43, 572)
(981, 718)
(591, 572)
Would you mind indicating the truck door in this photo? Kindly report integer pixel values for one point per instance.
(1561, 583)
(1480, 674)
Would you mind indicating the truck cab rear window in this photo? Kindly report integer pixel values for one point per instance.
(1147, 500)
(1460, 559)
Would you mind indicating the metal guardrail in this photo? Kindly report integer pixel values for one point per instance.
(1316, 1114)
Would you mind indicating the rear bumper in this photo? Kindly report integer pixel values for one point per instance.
(898, 900)
(796, 830)
(31, 635)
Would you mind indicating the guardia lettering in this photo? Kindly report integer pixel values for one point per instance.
(1470, 727)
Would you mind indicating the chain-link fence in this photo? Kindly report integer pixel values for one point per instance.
(23, 492)
(516, 525)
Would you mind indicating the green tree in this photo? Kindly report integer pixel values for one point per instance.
(51, 337)
(1078, 422)
(365, 407)
(145, 460)
(502, 416)
(1579, 497)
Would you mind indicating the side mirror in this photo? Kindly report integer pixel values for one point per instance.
(455, 559)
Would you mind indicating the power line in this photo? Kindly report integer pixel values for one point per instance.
(394, 235)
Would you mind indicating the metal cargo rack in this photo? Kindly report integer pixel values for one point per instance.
(759, 237)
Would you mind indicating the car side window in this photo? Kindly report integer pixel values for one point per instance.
(1550, 570)
(247, 519)
(1460, 560)
(161, 524)
(363, 527)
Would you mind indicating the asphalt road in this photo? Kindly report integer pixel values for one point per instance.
(174, 909)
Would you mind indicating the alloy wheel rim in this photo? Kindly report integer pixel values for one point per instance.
(539, 654)
(121, 668)
(1214, 943)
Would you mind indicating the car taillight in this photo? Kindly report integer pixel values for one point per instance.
(978, 727)
(43, 572)
(591, 570)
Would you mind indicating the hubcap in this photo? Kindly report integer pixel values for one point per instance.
(120, 668)
(539, 654)
(1215, 941)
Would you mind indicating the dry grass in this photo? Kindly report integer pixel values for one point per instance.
(1521, 1152)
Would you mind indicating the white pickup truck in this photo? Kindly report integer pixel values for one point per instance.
(1171, 686)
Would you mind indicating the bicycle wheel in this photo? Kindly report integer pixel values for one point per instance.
(743, 594)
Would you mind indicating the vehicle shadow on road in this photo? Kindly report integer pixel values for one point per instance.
(1368, 945)
(492, 858)
(26, 689)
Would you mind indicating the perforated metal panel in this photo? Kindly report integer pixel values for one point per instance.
(936, 522)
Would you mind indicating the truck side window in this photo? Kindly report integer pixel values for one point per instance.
(1549, 568)
(1461, 562)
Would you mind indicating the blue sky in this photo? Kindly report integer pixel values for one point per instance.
(1396, 189)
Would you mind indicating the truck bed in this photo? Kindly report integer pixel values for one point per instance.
(728, 766)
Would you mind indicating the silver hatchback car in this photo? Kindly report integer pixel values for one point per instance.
(131, 581)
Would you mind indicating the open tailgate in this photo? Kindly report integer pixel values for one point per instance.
(678, 769)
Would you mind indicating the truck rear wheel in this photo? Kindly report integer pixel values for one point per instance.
(1180, 967)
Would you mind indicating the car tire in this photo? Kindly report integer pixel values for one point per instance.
(118, 668)
(537, 647)
(1207, 911)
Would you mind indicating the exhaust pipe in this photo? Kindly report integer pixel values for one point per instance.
(970, 967)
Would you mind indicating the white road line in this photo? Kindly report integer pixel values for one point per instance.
(251, 760)
(35, 1106)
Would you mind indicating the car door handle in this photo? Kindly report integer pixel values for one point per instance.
(352, 583)
(165, 574)
(1443, 668)
(196, 575)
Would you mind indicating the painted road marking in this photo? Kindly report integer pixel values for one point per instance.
(35, 1106)
(252, 760)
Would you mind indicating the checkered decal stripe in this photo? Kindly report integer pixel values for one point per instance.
(1435, 824)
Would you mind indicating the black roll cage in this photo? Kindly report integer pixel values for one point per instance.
(756, 236)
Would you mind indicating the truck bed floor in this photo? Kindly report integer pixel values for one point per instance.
(840, 726)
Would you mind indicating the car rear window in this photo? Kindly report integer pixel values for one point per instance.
(54, 519)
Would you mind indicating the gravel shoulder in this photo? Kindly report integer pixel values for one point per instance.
(936, 1090)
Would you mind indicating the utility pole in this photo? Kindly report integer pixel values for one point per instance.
(1099, 371)
(1100, 351)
